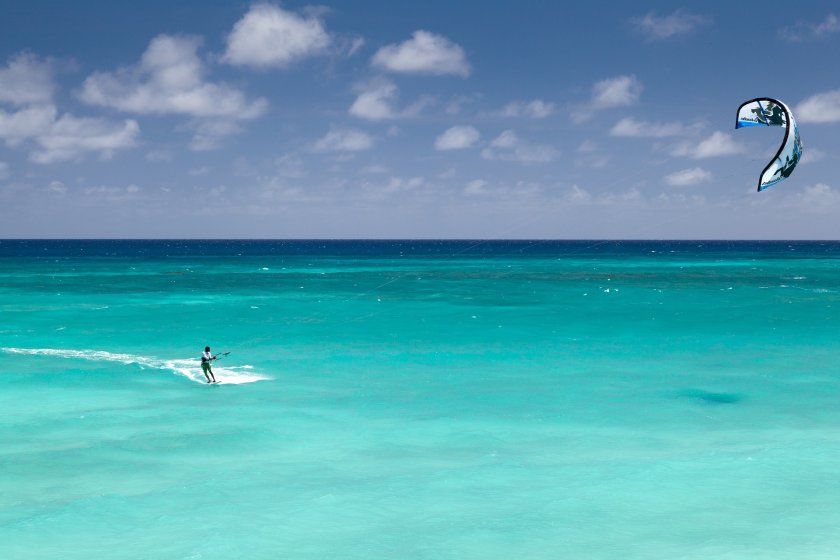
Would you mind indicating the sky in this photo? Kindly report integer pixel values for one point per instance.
(437, 119)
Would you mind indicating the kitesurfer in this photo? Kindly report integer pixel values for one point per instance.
(206, 358)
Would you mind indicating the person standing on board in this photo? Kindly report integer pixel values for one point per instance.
(206, 358)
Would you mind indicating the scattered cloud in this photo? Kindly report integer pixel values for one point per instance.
(373, 169)
(633, 128)
(271, 37)
(377, 99)
(456, 104)
(457, 138)
(4, 170)
(57, 187)
(812, 155)
(159, 155)
(536, 109)
(819, 108)
(718, 144)
(688, 177)
(589, 155)
(656, 28)
(509, 147)
(69, 137)
(803, 31)
(393, 186)
(343, 140)
(424, 53)
(169, 79)
(616, 92)
(620, 91)
(26, 80)
(819, 199)
(208, 134)
(66, 137)
(476, 187)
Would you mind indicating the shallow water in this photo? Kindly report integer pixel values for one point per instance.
(420, 400)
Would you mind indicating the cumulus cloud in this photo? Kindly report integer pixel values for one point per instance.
(656, 28)
(457, 138)
(616, 92)
(69, 137)
(803, 31)
(509, 147)
(476, 187)
(26, 80)
(344, 140)
(633, 128)
(424, 53)
(620, 91)
(169, 79)
(268, 36)
(819, 108)
(688, 177)
(536, 109)
(65, 137)
(718, 144)
(377, 99)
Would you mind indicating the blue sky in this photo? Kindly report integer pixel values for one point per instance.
(376, 119)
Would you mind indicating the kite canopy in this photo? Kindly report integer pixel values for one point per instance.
(765, 111)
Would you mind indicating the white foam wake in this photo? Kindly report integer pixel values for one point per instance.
(189, 368)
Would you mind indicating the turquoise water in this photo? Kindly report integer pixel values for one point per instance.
(420, 400)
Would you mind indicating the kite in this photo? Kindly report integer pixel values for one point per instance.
(765, 111)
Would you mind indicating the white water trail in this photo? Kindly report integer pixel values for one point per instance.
(188, 367)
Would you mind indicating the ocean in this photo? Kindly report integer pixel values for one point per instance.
(420, 400)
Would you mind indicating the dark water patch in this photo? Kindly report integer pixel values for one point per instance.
(710, 397)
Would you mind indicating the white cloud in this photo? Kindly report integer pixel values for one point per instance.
(718, 144)
(577, 195)
(812, 155)
(620, 91)
(457, 138)
(344, 140)
(688, 177)
(509, 147)
(26, 80)
(630, 127)
(536, 109)
(616, 92)
(394, 185)
(26, 124)
(476, 187)
(66, 137)
(802, 31)
(159, 155)
(819, 108)
(655, 27)
(424, 53)
(208, 134)
(4, 170)
(268, 36)
(377, 99)
(57, 187)
(169, 79)
(70, 137)
(819, 199)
